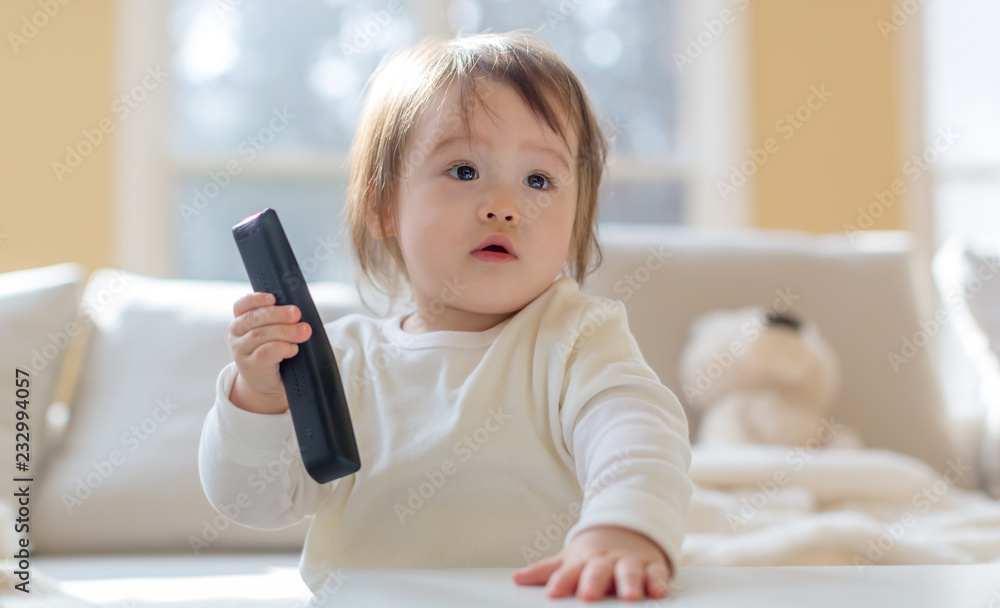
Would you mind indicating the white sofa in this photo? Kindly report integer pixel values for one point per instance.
(121, 477)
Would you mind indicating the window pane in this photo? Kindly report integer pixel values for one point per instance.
(621, 50)
(267, 80)
(656, 202)
(309, 210)
(963, 78)
(970, 208)
(962, 88)
(235, 66)
(963, 98)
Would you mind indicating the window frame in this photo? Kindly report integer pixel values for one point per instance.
(713, 125)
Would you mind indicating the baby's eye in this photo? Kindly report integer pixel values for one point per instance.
(538, 181)
(465, 172)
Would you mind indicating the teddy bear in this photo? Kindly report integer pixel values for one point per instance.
(754, 375)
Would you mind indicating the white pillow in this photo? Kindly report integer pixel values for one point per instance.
(858, 290)
(38, 322)
(968, 279)
(126, 478)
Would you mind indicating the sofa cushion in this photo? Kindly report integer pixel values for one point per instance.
(126, 478)
(39, 319)
(857, 289)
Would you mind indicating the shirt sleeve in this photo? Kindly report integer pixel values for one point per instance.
(627, 433)
(250, 465)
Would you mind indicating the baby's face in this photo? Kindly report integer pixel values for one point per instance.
(517, 180)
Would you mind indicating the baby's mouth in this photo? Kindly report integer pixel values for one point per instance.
(496, 248)
(493, 253)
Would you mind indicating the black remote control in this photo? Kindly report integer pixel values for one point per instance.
(312, 382)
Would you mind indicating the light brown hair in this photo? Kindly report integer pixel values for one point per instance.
(401, 88)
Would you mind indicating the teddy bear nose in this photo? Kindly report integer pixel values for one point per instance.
(775, 319)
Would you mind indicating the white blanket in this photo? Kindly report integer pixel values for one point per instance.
(784, 506)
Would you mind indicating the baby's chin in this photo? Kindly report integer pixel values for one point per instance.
(500, 301)
(493, 311)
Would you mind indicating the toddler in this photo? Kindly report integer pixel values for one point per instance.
(505, 420)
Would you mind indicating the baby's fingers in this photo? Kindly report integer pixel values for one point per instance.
(538, 573)
(256, 319)
(250, 301)
(258, 337)
(565, 580)
(596, 578)
(629, 578)
(657, 580)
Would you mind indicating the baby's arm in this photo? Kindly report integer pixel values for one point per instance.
(250, 465)
(628, 436)
(632, 458)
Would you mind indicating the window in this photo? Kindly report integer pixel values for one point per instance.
(963, 117)
(264, 96)
(962, 150)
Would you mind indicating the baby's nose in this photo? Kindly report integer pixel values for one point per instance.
(501, 205)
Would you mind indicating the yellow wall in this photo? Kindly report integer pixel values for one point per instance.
(830, 166)
(56, 83)
(60, 82)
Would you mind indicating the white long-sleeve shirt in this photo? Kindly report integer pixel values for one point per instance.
(478, 449)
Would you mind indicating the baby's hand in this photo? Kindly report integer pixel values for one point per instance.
(260, 337)
(602, 558)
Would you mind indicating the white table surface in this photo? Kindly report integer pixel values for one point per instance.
(273, 580)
